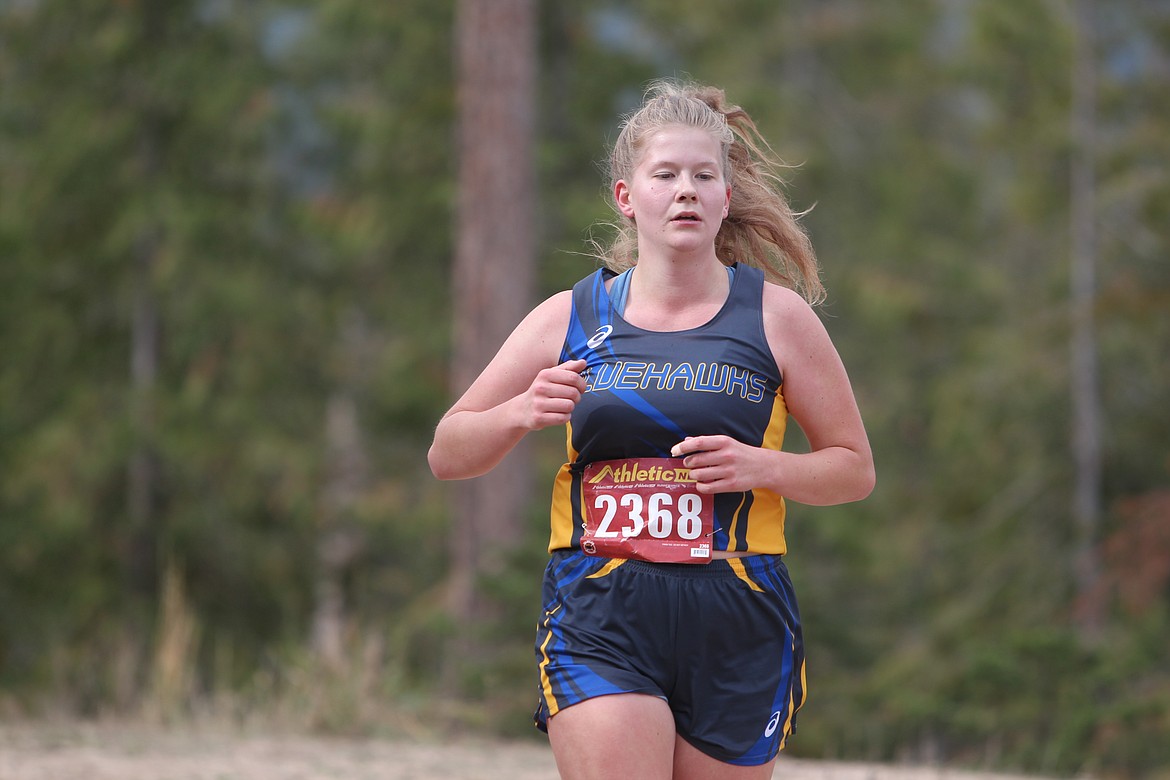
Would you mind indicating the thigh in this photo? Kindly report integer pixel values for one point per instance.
(740, 681)
(692, 764)
(621, 735)
(606, 630)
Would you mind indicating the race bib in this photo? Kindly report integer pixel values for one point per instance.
(648, 509)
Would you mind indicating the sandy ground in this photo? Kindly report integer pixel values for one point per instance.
(105, 752)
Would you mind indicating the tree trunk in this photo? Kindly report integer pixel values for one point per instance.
(1084, 379)
(339, 540)
(493, 272)
(143, 375)
(142, 489)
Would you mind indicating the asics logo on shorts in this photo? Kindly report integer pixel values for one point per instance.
(598, 338)
(773, 724)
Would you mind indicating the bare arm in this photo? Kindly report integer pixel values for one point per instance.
(522, 389)
(839, 466)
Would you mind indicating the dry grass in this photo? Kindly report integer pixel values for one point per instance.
(110, 751)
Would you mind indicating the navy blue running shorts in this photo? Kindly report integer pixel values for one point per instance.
(719, 642)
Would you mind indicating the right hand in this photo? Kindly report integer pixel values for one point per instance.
(553, 394)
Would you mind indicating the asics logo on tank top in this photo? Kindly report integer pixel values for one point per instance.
(598, 338)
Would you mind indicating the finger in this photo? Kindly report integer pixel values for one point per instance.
(576, 366)
(687, 445)
(556, 408)
(710, 479)
(555, 391)
(569, 373)
(563, 383)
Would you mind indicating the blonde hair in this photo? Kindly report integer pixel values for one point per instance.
(760, 228)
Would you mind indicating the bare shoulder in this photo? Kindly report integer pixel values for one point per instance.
(538, 338)
(779, 296)
(557, 304)
(549, 320)
(785, 308)
(793, 328)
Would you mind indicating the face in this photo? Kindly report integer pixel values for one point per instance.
(677, 194)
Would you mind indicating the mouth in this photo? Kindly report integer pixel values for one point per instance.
(686, 217)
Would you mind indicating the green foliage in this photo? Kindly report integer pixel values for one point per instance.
(179, 128)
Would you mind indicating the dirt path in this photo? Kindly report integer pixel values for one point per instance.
(87, 752)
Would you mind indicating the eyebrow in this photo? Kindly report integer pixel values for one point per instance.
(702, 164)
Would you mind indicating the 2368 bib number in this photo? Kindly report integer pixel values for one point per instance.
(646, 509)
(652, 515)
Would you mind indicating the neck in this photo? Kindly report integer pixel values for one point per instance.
(675, 296)
(688, 281)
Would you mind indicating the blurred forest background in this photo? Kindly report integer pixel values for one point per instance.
(247, 259)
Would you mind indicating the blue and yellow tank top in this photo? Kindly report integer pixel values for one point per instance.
(647, 391)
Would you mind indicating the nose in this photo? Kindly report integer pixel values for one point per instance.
(686, 188)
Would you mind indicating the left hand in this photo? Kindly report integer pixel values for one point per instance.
(720, 464)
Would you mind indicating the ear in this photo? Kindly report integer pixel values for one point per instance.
(727, 202)
(621, 195)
